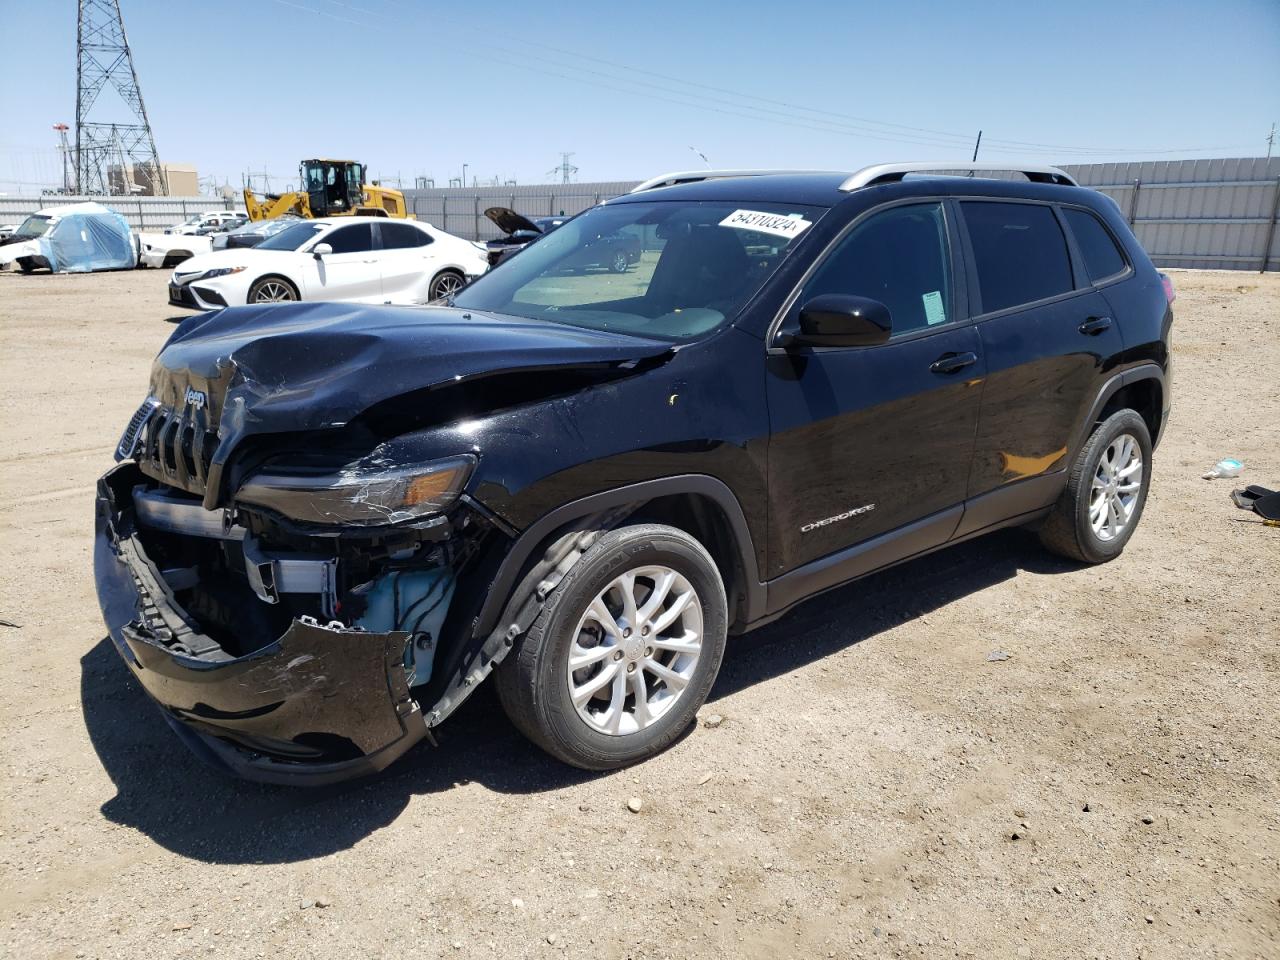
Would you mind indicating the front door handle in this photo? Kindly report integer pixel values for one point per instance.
(951, 362)
(1095, 325)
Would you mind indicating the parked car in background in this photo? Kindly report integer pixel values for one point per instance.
(617, 252)
(253, 232)
(222, 226)
(211, 218)
(360, 259)
(72, 238)
(170, 249)
(520, 232)
(7, 231)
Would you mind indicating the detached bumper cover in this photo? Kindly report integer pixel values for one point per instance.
(317, 705)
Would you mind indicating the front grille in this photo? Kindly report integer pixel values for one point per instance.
(177, 446)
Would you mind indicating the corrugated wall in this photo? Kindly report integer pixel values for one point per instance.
(460, 210)
(1196, 213)
(1186, 213)
(143, 213)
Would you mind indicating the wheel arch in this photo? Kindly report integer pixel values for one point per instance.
(548, 548)
(700, 505)
(275, 275)
(448, 268)
(1142, 388)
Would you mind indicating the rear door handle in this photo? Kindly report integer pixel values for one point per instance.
(1095, 325)
(951, 362)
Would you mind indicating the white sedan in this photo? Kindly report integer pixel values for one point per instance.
(169, 249)
(357, 259)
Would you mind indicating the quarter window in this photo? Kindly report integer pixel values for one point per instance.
(356, 238)
(899, 257)
(1019, 252)
(1102, 258)
(399, 236)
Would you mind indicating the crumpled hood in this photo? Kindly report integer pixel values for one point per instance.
(311, 366)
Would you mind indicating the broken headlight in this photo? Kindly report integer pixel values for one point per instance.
(361, 494)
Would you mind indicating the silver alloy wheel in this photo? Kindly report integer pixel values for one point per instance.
(1116, 485)
(635, 650)
(620, 262)
(446, 285)
(274, 291)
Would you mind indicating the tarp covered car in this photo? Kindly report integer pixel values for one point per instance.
(75, 238)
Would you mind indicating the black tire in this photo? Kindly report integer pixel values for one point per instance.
(263, 284)
(533, 681)
(1068, 530)
(619, 263)
(26, 264)
(445, 283)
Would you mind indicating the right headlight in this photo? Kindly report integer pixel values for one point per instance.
(219, 272)
(362, 495)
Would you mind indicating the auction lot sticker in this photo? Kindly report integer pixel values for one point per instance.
(779, 226)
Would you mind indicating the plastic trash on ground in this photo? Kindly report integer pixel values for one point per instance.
(1225, 468)
(77, 238)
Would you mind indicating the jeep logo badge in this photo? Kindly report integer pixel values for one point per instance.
(195, 398)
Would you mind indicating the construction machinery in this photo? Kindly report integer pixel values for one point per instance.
(328, 188)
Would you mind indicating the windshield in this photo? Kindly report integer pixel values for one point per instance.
(670, 270)
(33, 226)
(267, 227)
(291, 237)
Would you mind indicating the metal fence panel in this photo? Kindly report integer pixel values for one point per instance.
(1212, 213)
(143, 213)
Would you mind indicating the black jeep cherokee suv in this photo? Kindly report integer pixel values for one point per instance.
(331, 522)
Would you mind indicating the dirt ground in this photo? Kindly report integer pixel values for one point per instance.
(860, 798)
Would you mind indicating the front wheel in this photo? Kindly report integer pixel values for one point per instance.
(624, 652)
(1106, 491)
(619, 263)
(273, 290)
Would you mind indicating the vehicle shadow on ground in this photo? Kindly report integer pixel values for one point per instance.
(164, 792)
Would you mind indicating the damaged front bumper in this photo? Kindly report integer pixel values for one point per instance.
(321, 703)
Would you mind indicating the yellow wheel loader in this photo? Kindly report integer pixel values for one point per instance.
(329, 188)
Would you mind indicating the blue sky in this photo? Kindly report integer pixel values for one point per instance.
(419, 88)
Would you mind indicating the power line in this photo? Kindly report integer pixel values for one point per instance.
(844, 124)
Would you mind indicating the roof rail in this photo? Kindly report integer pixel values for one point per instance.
(696, 176)
(892, 172)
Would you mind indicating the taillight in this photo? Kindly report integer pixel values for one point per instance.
(1167, 283)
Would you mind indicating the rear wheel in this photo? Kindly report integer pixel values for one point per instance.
(273, 290)
(1106, 491)
(624, 652)
(26, 264)
(619, 263)
(445, 284)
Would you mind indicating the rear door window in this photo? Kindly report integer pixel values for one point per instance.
(1019, 253)
(356, 238)
(1102, 258)
(400, 236)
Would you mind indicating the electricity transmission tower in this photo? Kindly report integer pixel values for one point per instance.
(64, 148)
(565, 170)
(103, 57)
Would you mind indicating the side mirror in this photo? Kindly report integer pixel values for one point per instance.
(839, 320)
(321, 250)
